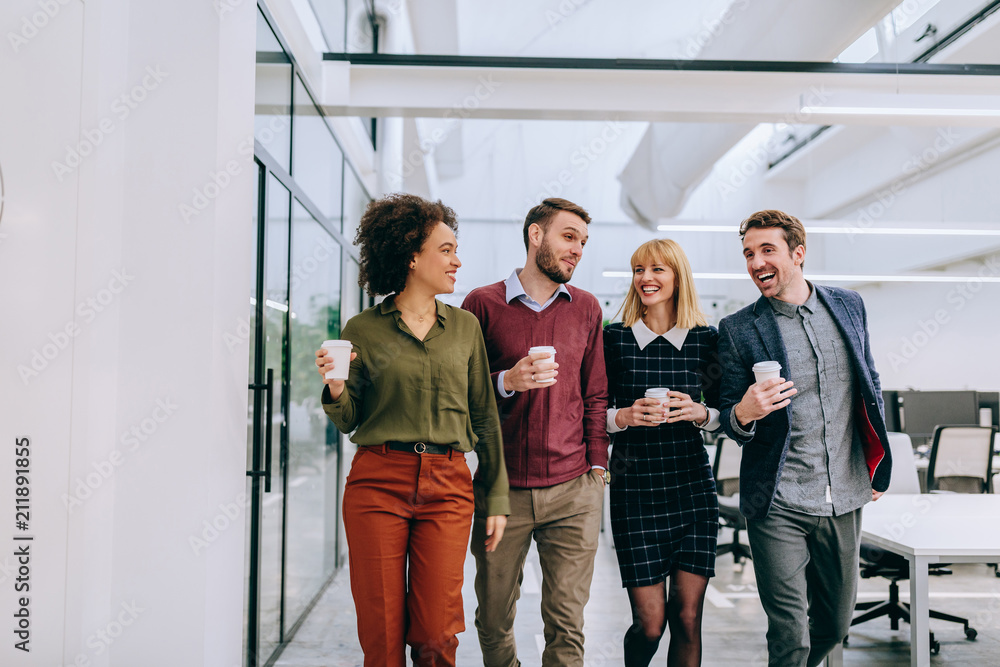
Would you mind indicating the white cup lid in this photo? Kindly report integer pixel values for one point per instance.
(766, 366)
(337, 343)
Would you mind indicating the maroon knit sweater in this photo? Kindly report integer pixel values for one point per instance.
(551, 434)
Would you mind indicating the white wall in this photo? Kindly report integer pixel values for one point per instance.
(937, 336)
(138, 416)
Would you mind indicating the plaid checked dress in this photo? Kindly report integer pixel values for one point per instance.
(664, 509)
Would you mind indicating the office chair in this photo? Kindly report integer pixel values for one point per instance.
(728, 455)
(961, 459)
(876, 562)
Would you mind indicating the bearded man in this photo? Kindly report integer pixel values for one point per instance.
(553, 418)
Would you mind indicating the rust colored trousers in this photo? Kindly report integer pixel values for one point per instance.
(407, 518)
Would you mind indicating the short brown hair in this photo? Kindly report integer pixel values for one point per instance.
(795, 233)
(392, 230)
(542, 214)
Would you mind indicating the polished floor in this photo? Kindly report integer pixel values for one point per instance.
(734, 623)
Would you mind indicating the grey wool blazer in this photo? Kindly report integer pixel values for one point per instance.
(751, 335)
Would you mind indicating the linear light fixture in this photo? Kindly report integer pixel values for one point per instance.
(839, 278)
(902, 111)
(889, 231)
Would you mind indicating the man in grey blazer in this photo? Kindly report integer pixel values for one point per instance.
(815, 448)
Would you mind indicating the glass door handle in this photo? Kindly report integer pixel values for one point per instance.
(268, 387)
(268, 415)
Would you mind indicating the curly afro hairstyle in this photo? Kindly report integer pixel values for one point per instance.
(391, 232)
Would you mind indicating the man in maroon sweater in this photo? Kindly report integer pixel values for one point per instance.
(555, 441)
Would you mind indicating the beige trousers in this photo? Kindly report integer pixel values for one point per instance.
(565, 521)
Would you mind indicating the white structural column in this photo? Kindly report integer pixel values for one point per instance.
(117, 299)
(676, 95)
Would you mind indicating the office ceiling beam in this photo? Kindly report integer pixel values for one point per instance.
(663, 95)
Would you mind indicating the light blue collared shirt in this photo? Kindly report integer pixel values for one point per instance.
(515, 290)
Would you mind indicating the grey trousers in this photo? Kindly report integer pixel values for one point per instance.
(565, 522)
(807, 578)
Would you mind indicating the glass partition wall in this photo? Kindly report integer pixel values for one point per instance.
(303, 289)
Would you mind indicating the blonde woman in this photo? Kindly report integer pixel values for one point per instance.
(664, 510)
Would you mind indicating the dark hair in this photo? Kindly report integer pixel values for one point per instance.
(391, 232)
(542, 214)
(795, 233)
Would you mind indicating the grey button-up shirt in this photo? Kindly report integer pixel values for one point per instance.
(824, 472)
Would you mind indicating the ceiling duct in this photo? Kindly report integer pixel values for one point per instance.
(672, 159)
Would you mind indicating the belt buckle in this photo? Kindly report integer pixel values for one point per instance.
(419, 447)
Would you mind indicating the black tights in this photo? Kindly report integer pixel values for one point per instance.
(653, 610)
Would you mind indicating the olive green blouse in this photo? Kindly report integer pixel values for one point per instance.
(436, 390)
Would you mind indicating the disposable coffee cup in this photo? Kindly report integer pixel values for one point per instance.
(551, 351)
(662, 394)
(765, 370)
(340, 350)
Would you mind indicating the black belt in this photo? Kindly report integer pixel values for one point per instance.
(418, 447)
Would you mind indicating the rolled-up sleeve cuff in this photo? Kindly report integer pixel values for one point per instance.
(500, 389)
(612, 426)
(740, 431)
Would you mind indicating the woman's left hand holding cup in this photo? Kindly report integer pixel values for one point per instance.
(683, 409)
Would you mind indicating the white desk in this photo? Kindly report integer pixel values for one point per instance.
(932, 528)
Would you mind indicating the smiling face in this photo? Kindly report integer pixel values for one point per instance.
(654, 283)
(561, 247)
(774, 268)
(433, 268)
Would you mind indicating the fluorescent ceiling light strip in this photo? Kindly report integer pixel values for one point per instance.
(698, 228)
(904, 279)
(892, 231)
(838, 278)
(902, 111)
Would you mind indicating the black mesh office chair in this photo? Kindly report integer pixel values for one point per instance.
(728, 455)
(876, 562)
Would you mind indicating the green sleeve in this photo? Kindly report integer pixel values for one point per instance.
(486, 426)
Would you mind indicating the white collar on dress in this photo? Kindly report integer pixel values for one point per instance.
(644, 335)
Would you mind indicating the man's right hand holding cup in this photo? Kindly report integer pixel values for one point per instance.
(526, 374)
(763, 398)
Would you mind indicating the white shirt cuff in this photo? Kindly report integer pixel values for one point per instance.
(713, 420)
(500, 389)
(612, 426)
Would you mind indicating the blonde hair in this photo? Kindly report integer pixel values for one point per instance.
(668, 253)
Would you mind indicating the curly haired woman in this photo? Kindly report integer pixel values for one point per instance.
(419, 396)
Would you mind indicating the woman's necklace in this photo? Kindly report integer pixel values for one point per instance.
(420, 317)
